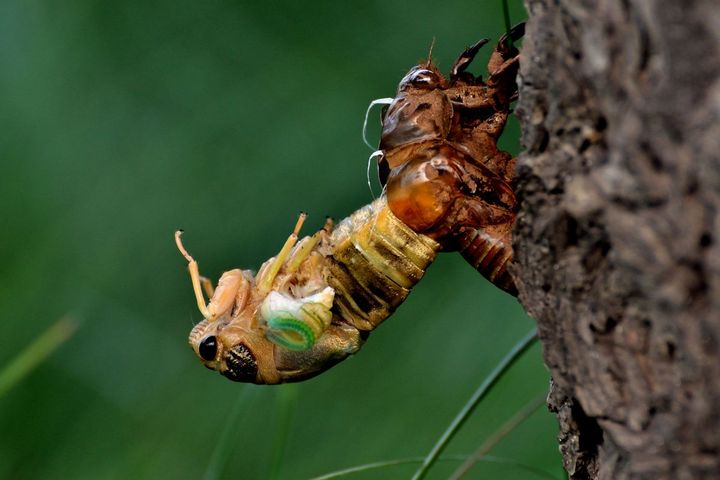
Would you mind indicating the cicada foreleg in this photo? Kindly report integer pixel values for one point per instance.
(194, 275)
(465, 59)
(222, 298)
(503, 63)
(266, 276)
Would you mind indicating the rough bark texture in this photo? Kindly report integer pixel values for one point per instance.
(618, 238)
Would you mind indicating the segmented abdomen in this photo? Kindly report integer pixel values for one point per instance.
(376, 260)
(490, 256)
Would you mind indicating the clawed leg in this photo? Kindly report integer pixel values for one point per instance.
(469, 92)
(503, 62)
(465, 59)
(516, 33)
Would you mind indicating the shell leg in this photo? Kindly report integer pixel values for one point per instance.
(465, 59)
(503, 63)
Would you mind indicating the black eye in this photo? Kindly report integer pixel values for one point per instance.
(208, 348)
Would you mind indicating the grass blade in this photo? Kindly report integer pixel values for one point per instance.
(228, 438)
(467, 409)
(498, 435)
(286, 400)
(506, 17)
(35, 353)
(445, 458)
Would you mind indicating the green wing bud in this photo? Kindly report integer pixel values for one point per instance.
(297, 323)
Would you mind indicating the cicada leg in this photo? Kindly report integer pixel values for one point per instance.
(306, 246)
(503, 63)
(207, 286)
(231, 284)
(465, 59)
(194, 275)
(297, 323)
(266, 276)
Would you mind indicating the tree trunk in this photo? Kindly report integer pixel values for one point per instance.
(617, 241)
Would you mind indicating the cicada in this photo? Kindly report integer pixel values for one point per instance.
(447, 187)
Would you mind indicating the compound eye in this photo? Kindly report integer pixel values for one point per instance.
(422, 77)
(208, 348)
(419, 78)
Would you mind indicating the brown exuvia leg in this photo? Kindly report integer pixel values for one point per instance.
(465, 59)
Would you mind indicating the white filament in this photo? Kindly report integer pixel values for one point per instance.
(379, 101)
(375, 154)
(372, 229)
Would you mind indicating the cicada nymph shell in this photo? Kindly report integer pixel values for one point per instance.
(439, 162)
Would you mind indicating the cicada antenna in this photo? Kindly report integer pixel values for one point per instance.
(429, 58)
(378, 101)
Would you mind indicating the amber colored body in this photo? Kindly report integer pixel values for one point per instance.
(444, 175)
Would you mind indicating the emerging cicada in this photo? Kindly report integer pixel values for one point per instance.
(447, 188)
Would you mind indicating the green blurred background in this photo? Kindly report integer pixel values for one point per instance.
(122, 121)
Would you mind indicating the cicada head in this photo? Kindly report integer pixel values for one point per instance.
(244, 353)
(277, 326)
(425, 76)
(236, 354)
(420, 112)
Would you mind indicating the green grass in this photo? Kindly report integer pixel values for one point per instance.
(482, 390)
(123, 121)
(537, 473)
(36, 352)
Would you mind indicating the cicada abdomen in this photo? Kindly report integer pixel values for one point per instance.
(439, 162)
(376, 259)
(490, 254)
(313, 304)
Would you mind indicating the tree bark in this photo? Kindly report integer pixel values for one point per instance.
(617, 241)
